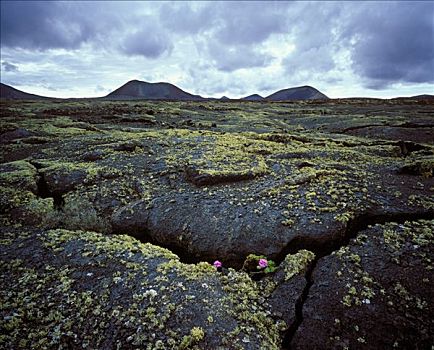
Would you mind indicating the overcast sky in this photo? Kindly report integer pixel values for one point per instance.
(83, 49)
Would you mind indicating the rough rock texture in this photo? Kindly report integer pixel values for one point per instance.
(273, 199)
(210, 180)
(377, 292)
(80, 289)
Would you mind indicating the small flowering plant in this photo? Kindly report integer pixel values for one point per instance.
(271, 267)
(218, 265)
(262, 263)
(258, 264)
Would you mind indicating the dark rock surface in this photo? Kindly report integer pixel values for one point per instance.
(212, 180)
(377, 292)
(115, 292)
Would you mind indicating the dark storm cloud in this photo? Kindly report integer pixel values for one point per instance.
(9, 67)
(68, 25)
(370, 44)
(41, 25)
(394, 42)
(388, 42)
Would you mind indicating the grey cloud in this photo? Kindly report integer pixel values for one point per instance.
(314, 28)
(43, 25)
(229, 59)
(376, 44)
(221, 86)
(228, 32)
(314, 25)
(9, 67)
(266, 85)
(206, 80)
(314, 60)
(49, 87)
(40, 25)
(388, 42)
(147, 42)
(230, 23)
(394, 43)
(184, 18)
(250, 22)
(333, 80)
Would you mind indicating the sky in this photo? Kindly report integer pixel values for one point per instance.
(344, 49)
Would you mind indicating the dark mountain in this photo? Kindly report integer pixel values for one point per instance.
(425, 98)
(420, 97)
(224, 98)
(297, 93)
(137, 90)
(254, 97)
(9, 93)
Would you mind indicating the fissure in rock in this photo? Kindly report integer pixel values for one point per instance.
(289, 334)
(44, 192)
(354, 226)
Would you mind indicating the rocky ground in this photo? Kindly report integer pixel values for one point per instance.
(112, 214)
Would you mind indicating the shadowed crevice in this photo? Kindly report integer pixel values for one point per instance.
(44, 192)
(289, 334)
(354, 226)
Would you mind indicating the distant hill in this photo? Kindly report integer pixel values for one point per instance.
(425, 98)
(135, 90)
(421, 97)
(297, 93)
(9, 93)
(254, 97)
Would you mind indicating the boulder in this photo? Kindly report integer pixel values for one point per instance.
(375, 293)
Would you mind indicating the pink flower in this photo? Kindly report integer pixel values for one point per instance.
(263, 263)
(217, 264)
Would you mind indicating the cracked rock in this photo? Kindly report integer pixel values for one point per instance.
(377, 292)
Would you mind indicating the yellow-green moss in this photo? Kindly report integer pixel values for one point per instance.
(294, 264)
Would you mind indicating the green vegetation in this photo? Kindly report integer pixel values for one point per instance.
(149, 300)
(208, 180)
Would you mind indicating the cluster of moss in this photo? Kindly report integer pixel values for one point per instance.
(143, 153)
(233, 154)
(423, 166)
(155, 288)
(419, 234)
(364, 285)
(295, 264)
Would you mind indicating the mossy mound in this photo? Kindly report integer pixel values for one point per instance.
(423, 167)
